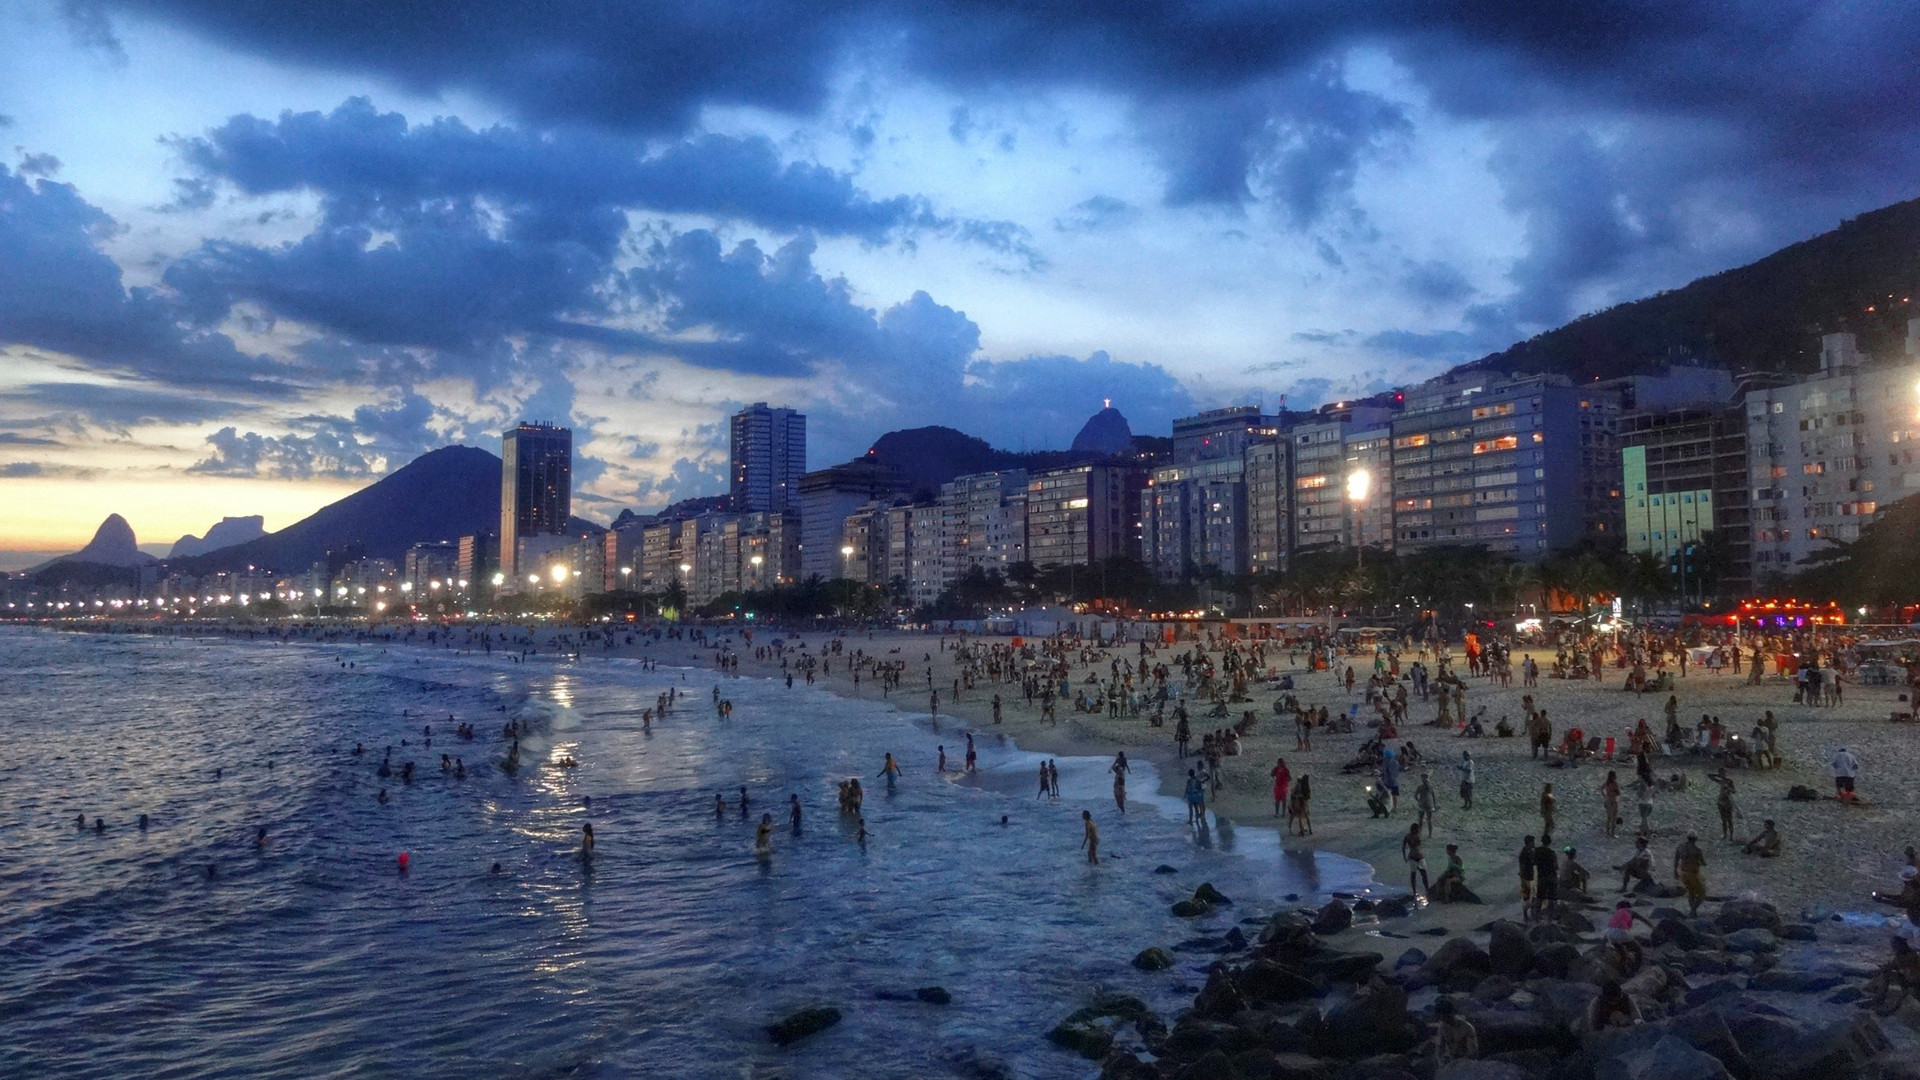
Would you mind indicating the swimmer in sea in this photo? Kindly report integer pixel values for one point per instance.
(943, 759)
(586, 841)
(793, 811)
(1090, 837)
(382, 796)
(861, 836)
(891, 770)
(763, 836)
(80, 822)
(743, 802)
(143, 823)
(260, 839)
(99, 825)
(495, 870)
(719, 806)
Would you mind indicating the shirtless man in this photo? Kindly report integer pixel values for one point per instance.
(1090, 837)
(1416, 861)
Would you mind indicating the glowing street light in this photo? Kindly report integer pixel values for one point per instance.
(559, 573)
(1359, 483)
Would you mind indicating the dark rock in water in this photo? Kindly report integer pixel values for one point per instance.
(1508, 949)
(799, 1025)
(1265, 980)
(1123, 1065)
(1334, 966)
(1235, 940)
(1362, 905)
(1188, 909)
(1333, 918)
(1458, 964)
(1088, 1031)
(1163, 868)
(1194, 1035)
(1748, 915)
(1412, 958)
(1207, 894)
(933, 995)
(1373, 1020)
(1293, 897)
(1288, 927)
(1846, 995)
(1798, 932)
(1153, 959)
(1754, 940)
(1210, 1064)
(1221, 997)
(1673, 931)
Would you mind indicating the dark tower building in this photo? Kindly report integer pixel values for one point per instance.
(536, 487)
(769, 454)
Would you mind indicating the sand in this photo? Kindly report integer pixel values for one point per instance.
(1835, 855)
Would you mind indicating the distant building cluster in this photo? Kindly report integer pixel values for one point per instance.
(1764, 470)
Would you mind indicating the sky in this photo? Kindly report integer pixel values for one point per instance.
(255, 256)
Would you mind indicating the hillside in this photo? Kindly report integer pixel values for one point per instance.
(927, 457)
(441, 495)
(1766, 316)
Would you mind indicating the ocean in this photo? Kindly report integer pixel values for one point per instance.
(313, 955)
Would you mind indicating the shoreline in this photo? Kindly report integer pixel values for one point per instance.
(1835, 855)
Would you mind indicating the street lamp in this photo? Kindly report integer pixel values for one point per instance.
(1359, 483)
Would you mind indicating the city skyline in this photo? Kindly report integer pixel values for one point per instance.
(249, 263)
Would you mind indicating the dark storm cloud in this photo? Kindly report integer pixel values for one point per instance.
(1799, 111)
(119, 407)
(60, 292)
(363, 161)
(12, 438)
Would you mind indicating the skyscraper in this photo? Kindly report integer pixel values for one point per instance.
(536, 488)
(769, 454)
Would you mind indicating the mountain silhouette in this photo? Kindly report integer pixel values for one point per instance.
(441, 495)
(228, 532)
(113, 544)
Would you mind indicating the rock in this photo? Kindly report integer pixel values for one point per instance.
(1394, 907)
(1752, 940)
(1221, 997)
(1288, 927)
(1412, 958)
(1209, 1066)
(1673, 931)
(1798, 932)
(1796, 980)
(1163, 868)
(1648, 985)
(1364, 905)
(1294, 1066)
(1702, 962)
(1548, 934)
(1717, 987)
(1331, 966)
(1846, 995)
(1458, 964)
(933, 995)
(1372, 1020)
(1553, 961)
(1514, 1029)
(796, 1026)
(1479, 1070)
(1188, 909)
(1568, 919)
(1235, 940)
(1090, 1040)
(1564, 1002)
(1508, 950)
(1206, 893)
(1782, 1047)
(1153, 959)
(1748, 915)
(1195, 1035)
(1494, 988)
(1660, 1056)
(1264, 980)
(1333, 918)
(1123, 1065)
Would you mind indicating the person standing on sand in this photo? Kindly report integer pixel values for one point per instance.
(1845, 767)
(1300, 806)
(1410, 850)
(1282, 780)
(1610, 802)
(1724, 802)
(1526, 879)
(1465, 769)
(1090, 837)
(1547, 803)
(1689, 865)
(1425, 800)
